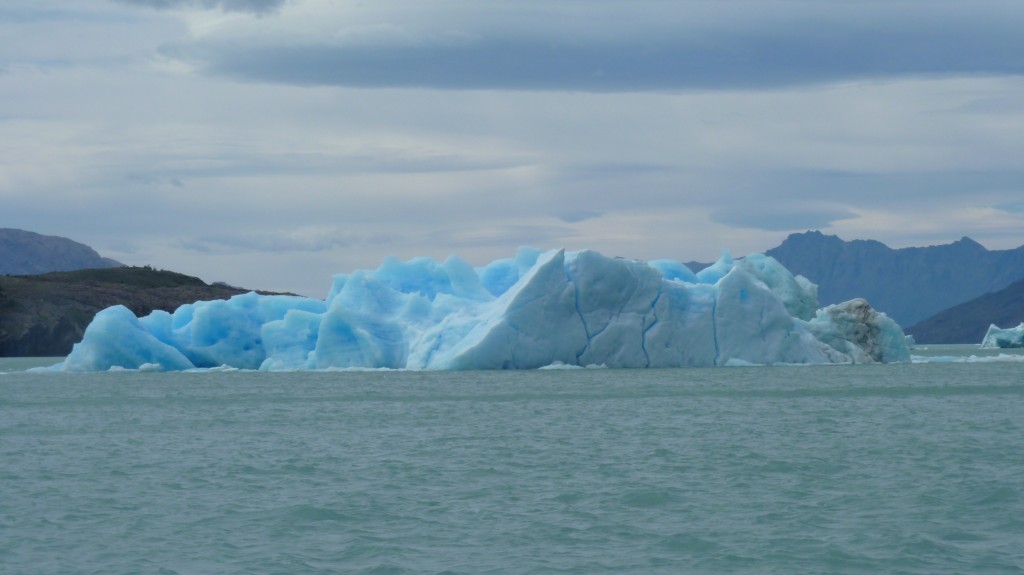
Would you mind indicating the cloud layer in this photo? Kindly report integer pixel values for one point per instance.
(270, 143)
(252, 6)
(656, 46)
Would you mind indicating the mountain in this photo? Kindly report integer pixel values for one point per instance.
(908, 284)
(44, 315)
(968, 322)
(23, 252)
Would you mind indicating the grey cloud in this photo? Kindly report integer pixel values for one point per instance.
(279, 242)
(252, 6)
(370, 162)
(780, 219)
(576, 216)
(800, 52)
(501, 235)
(1013, 207)
(991, 106)
(786, 200)
(605, 170)
(150, 179)
(897, 190)
(728, 191)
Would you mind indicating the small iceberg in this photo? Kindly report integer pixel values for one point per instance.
(1009, 338)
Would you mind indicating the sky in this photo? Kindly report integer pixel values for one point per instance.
(271, 144)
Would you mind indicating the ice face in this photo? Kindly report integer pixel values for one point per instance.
(533, 310)
(867, 336)
(1004, 338)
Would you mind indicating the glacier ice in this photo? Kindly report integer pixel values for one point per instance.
(539, 308)
(1012, 337)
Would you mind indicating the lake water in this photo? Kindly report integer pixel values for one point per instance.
(912, 468)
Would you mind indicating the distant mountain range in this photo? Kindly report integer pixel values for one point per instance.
(908, 284)
(968, 322)
(23, 252)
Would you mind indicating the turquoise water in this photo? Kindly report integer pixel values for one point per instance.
(915, 468)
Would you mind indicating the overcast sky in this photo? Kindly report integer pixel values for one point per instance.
(273, 143)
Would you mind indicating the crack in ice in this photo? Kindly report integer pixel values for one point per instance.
(643, 335)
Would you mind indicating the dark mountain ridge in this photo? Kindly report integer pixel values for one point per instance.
(968, 322)
(23, 253)
(44, 315)
(908, 284)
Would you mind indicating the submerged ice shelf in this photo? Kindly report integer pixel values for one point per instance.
(533, 310)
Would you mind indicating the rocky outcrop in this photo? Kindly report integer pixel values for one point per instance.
(859, 331)
(44, 315)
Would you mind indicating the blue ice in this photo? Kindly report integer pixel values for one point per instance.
(1011, 337)
(536, 309)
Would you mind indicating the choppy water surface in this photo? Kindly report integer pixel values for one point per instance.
(823, 469)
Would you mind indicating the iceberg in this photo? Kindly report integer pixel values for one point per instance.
(537, 309)
(997, 337)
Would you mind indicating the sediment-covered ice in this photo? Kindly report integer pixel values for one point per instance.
(534, 310)
(1012, 337)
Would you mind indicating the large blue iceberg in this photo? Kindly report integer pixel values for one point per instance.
(1011, 337)
(534, 310)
